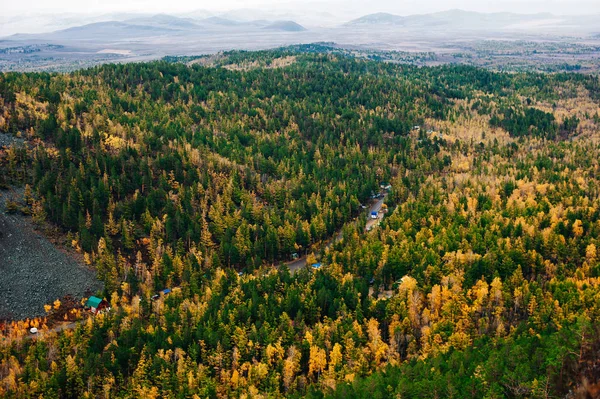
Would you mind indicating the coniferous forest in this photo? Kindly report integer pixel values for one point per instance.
(482, 280)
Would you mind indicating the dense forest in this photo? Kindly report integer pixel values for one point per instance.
(483, 279)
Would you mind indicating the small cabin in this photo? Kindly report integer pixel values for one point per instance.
(162, 293)
(97, 305)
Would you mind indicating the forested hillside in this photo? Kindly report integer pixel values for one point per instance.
(483, 280)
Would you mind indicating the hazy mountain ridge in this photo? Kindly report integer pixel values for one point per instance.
(159, 24)
(378, 18)
(165, 21)
(287, 26)
(461, 19)
(251, 19)
(145, 37)
(98, 30)
(221, 21)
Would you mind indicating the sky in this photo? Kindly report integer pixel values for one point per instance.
(342, 7)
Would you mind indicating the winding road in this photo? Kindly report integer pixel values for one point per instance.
(299, 263)
(294, 265)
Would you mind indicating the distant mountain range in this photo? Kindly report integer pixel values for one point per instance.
(124, 26)
(469, 20)
(139, 37)
(159, 25)
(100, 31)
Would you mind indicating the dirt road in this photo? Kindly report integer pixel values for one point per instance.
(375, 207)
(298, 264)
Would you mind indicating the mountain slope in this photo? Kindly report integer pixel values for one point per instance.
(381, 18)
(164, 21)
(286, 26)
(101, 31)
(482, 280)
(220, 21)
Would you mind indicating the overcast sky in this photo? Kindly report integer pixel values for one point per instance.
(342, 7)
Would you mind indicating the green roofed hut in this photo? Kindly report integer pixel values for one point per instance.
(96, 305)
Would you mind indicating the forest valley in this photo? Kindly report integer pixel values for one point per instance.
(168, 174)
